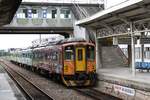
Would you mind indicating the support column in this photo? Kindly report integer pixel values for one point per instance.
(129, 56)
(133, 49)
(115, 40)
(142, 52)
(58, 16)
(142, 48)
(98, 53)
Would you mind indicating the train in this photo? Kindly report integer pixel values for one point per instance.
(71, 61)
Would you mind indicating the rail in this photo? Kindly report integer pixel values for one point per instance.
(32, 91)
(95, 94)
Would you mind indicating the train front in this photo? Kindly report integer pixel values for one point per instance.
(79, 66)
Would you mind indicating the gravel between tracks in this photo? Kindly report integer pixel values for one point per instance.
(55, 90)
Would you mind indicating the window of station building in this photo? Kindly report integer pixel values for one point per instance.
(65, 13)
(44, 12)
(34, 13)
(23, 13)
(52, 14)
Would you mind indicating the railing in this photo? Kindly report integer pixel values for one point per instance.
(67, 1)
(125, 58)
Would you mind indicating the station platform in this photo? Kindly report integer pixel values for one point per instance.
(121, 83)
(8, 89)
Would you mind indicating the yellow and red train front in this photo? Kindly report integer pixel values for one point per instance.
(79, 65)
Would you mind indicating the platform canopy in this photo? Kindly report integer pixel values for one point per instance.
(115, 20)
(8, 9)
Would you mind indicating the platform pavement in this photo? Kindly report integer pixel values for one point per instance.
(122, 78)
(126, 74)
(8, 89)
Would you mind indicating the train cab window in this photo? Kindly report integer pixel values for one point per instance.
(80, 54)
(69, 53)
(90, 53)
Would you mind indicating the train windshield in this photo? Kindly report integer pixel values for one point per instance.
(69, 53)
(90, 53)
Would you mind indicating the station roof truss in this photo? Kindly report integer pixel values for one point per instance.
(117, 20)
(8, 9)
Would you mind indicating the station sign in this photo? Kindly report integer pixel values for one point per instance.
(125, 90)
(126, 40)
(145, 40)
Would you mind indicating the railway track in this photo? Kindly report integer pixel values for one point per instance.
(87, 92)
(95, 94)
(31, 91)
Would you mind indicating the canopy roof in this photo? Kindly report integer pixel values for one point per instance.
(130, 11)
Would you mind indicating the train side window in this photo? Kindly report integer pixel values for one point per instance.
(90, 53)
(68, 55)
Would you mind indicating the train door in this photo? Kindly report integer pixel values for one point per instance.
(80, 59)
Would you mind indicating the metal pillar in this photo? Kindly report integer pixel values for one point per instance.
(142, 48)
(142, 52)
(133, 49)
(115, 40)
(129, 56)
(98, 60)
(97, 55)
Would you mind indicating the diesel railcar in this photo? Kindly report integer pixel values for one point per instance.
(72, 61)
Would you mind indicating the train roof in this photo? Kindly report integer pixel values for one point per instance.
(63, 41)
(69, 40)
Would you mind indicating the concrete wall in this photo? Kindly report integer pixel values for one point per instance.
(109, 88)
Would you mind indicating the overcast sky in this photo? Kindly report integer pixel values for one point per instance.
(18, 40)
